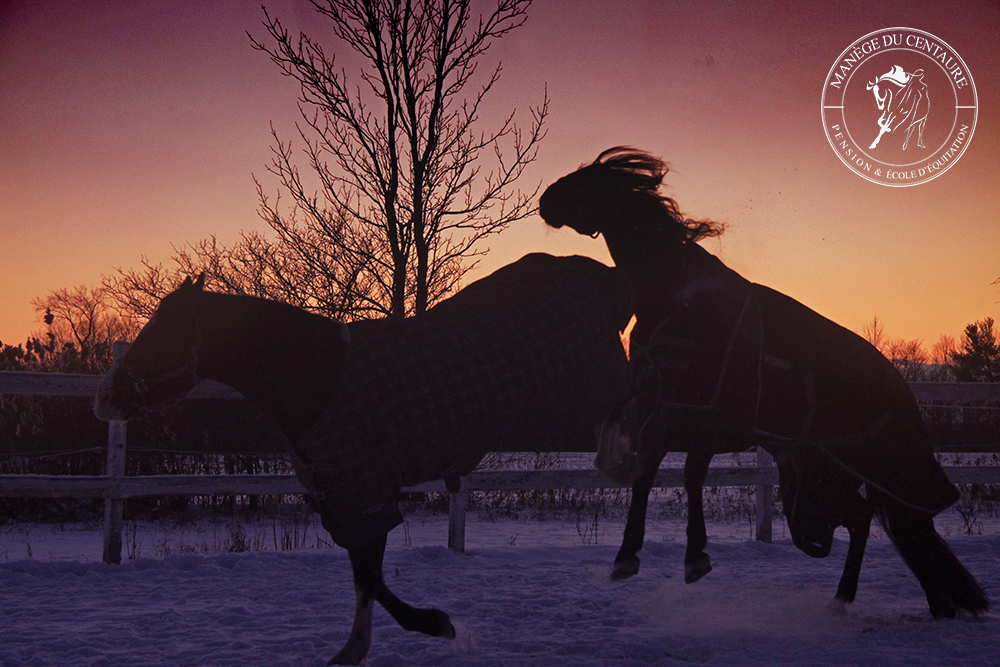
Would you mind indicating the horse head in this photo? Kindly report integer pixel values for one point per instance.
(160, 365)
(590, 198)
(620, 187)
(818, 497)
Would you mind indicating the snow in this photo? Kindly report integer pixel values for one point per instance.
(526, 593)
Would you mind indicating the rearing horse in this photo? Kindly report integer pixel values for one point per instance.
(723, 364)
(529, 353)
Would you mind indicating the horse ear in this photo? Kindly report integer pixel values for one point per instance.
(198, 284)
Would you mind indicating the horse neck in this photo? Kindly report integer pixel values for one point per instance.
(658, 261)
(283, 359)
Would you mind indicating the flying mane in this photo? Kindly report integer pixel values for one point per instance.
(621, 175)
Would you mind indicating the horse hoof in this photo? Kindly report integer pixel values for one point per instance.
(697, 568)
(443, 628)
(347, 656)
(838, 606)
(354, 651)
(945, 610)
(625, 568)
(845, 597)
(448, 632)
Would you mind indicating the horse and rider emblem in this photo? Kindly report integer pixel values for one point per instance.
(877, 107)
(903, 99)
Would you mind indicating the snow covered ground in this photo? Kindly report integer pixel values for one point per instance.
(526, 593)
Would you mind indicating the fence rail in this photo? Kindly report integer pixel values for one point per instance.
(115, 486)
(147, 486)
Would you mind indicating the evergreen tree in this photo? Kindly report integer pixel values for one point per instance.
(979, 358)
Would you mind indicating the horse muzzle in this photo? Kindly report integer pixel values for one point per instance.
(123, 394)
(815, 541)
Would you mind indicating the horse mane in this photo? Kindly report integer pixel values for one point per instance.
(641, 173)
(627, 174)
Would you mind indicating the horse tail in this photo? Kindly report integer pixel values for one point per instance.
(948, 585)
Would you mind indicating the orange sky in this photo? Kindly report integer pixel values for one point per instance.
(127, 126)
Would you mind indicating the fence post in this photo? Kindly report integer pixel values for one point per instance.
(456, 520)
(765, 499)
(115, 472)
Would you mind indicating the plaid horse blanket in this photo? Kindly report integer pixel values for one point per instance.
(783, 376)
(520, 356)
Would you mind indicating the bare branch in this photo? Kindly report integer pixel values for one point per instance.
(384, 203)
(402, 198)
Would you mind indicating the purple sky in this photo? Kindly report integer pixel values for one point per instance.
(128, 126)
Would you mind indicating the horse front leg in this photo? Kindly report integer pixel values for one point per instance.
(366, 565)
(859, 528)
(627, 562)
(369, 587)
(696, 562)
(360, 639)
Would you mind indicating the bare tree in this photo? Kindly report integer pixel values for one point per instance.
(81, 316)
(81, 326)
(136, 293)
(874, 333)
(404, 197)
(908, 357)
(253, 265)
(939, 370)
(943, 349)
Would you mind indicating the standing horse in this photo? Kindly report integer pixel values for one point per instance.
(526, 354)
(724, 364)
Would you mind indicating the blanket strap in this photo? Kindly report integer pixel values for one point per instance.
(879, 424)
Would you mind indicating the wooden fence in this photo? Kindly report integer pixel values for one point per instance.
(115, 486)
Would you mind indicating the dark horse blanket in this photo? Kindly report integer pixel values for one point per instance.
(525, 354)
(772, 372)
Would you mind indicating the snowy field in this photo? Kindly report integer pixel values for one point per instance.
(526, 593)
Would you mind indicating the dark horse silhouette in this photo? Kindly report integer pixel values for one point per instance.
(723, 364)
(529, 353)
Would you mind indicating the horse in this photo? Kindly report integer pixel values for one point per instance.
(525, 355)
(812, 526)
(723, 364)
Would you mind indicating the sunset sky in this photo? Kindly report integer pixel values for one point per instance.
(130, 125)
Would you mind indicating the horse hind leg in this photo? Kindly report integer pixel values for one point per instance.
(949, 587)
(433, 622)
(369, 587)
(696, 562)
